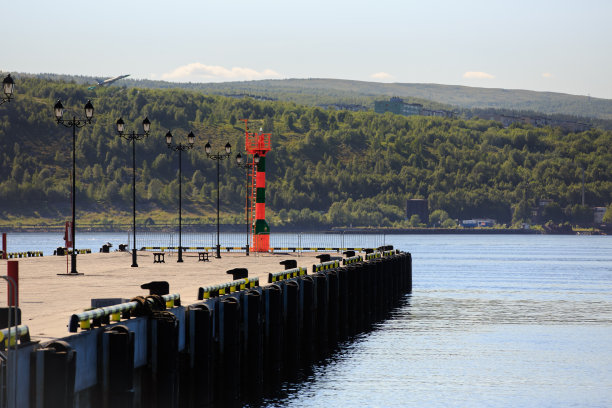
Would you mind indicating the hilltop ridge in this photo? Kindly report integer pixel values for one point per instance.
(317, 91)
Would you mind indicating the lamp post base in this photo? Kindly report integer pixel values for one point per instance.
(218, 251)
(73, 257)
(134, 257)
(180, 255)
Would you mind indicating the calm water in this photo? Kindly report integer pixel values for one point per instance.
(493, 321)
(48, 242)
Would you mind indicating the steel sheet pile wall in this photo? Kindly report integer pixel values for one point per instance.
(222, 350)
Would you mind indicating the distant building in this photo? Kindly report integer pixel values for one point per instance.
(344, 106)
(536, 121)
(598, 214)
(478, 222)
(399, 107)
(537, 212)
(417, 207)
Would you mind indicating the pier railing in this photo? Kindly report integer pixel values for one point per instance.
(279, 242)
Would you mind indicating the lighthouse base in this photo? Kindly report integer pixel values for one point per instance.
(261, 243)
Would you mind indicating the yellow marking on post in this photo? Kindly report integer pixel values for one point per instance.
(206, 295)
(115, 317)
(85, 324)
(232, 289)
(222, 291)
(169, 304)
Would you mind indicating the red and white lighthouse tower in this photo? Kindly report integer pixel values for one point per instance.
(258, 143)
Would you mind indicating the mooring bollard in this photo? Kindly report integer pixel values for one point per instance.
(53, 377)
(201, 354)
(292, 323)
(118, 367)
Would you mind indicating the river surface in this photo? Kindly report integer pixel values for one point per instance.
(493, 321)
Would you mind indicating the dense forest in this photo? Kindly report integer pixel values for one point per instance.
(326, 168)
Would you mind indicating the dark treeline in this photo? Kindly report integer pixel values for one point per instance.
(326, 167)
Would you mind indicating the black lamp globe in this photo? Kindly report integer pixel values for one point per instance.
(89, 110)
(8, 86)
(120, 125)
(146, 125)
(58, 110)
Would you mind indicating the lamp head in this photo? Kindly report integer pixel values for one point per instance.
(228, 148)
(146, 125)
(89, 110)
(239, 159)
(191, 138)
(169, 139)
(120, 125)
(8, 86)
(256, 158)
(207, 148)
(58, 110)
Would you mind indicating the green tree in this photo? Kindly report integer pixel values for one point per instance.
(607, 218)
(437, 217)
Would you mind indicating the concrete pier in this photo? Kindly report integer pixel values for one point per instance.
(236, 343)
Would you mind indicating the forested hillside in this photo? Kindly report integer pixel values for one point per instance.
(326, 168)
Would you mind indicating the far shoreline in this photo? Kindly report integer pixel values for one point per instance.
(334, 230)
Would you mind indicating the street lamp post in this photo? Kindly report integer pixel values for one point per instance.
(180, 148)
(74, 123)
(248, 167)
(8, 87)
(218, 157)
(133, 136)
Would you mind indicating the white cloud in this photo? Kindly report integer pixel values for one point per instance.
(198, 72)
(547, 75)
(477, 75)
(382, 75)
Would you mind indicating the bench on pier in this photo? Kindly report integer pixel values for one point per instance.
(203, 256)
(158, 257)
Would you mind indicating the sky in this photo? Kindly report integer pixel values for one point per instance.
(559, 46)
